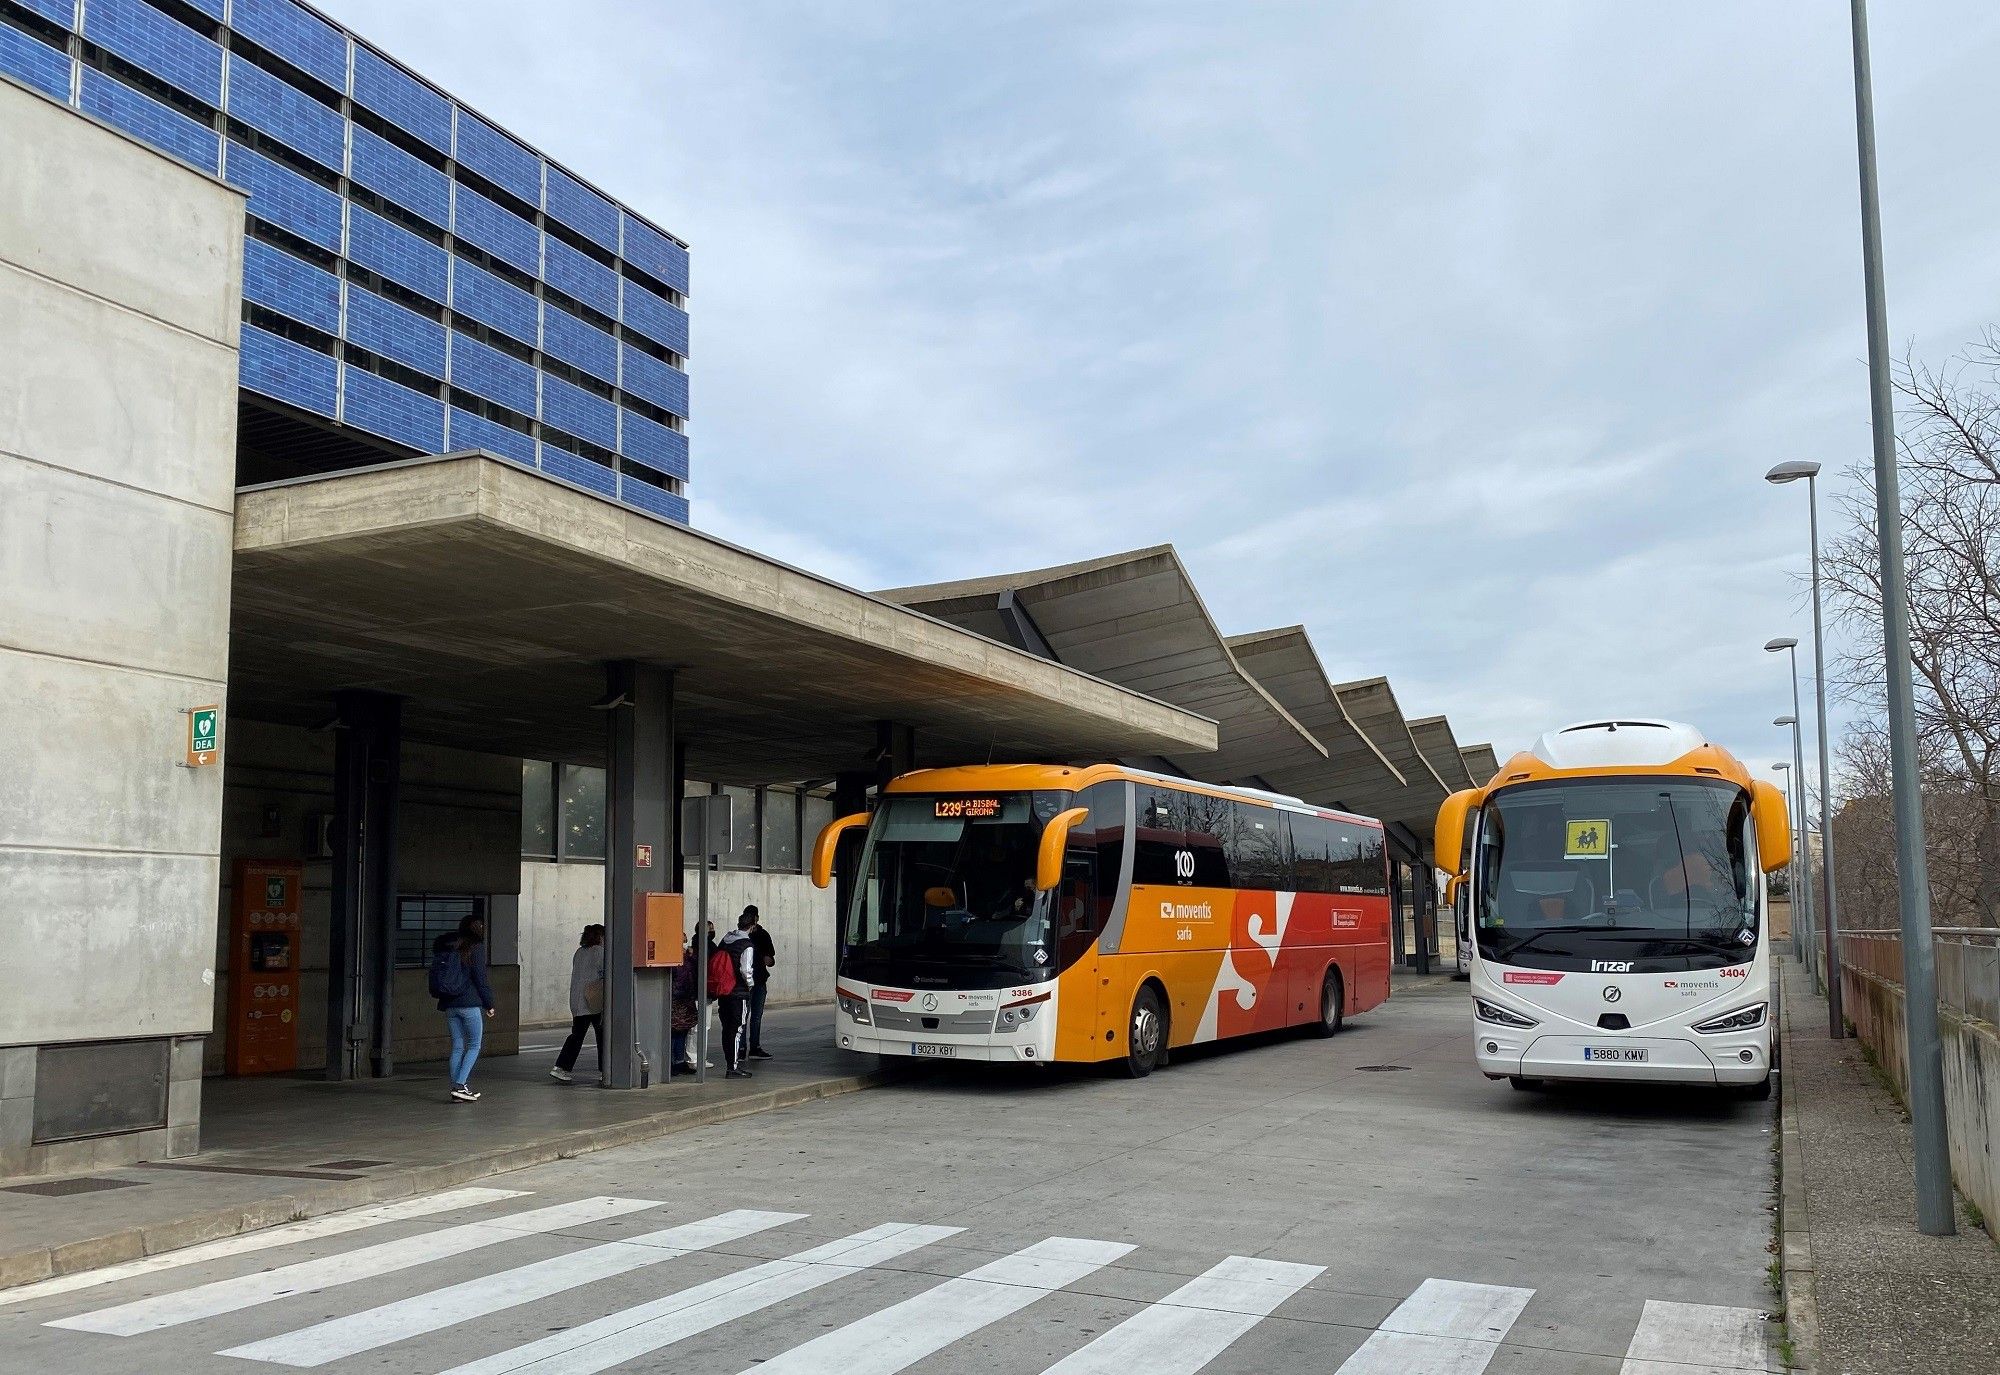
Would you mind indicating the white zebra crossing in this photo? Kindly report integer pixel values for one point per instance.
(311, 1229)
(903, 1334)
(638, 1331)
(309, 1276)
(1697, 1339)
(432, 1312)
(1444, 1327)
(1193, 1325)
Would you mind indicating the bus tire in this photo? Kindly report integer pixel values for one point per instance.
(1759, 1092)
(1145, 1034)
(1523, 1084)
(1332, 1005)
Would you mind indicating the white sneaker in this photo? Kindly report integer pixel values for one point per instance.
(561, 1075)
(462, 1093)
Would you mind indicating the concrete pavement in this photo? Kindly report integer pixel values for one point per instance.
(280, 1148)
(1868, 1294)
(1367, 1205)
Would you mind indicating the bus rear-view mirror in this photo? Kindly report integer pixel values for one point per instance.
(1055, 838)
(1448, 840)
(829, 840)
(1774, 825)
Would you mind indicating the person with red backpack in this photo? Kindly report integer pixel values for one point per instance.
(731, 971)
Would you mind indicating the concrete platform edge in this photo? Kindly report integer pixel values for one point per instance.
(42, 1262)
(1795, 1257)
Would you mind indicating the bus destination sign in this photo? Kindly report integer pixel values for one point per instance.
(967, 808)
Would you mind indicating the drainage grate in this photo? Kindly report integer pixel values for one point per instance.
(348, 1164)
(1379, 1069)
(62, 1188)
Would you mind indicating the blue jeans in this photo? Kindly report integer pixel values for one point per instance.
(468, 1029)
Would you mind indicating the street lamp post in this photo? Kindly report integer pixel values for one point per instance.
(1935, 1210)
(1784, 771)
(1828, 915)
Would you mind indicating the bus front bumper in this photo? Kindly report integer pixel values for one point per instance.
(1738, 1059)
(1012, 1050)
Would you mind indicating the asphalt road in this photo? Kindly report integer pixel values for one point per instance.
(1364, 1205)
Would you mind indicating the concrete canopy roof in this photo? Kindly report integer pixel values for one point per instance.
(1356, 772)
(1481, 762)
(490, 597)
(1433, 736)
(1372, 706)
(1136, 619)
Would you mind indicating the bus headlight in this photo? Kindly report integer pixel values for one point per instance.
(1011, 1017)
(1743, 1019)
(1498, 1015)
(857, 1008)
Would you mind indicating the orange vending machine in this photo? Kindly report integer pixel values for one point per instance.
(264, 967)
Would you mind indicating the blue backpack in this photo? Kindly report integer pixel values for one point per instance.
(448, 976)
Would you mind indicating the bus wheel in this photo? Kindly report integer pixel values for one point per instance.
(1332, 1005)
(1759, 1092)
(1523, 1084)
(1146, 1041)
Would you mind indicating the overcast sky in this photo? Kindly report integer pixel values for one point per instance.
(1459, 332)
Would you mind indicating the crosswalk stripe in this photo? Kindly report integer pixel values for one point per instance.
(1446, 1328)
(638, 1331)
(905, 1333)
(1193, 1325)
(1696, 1339)
(307, 1276)
(331, 1225)
(476, 1298)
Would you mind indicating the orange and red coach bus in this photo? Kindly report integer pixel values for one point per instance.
(1032, 913)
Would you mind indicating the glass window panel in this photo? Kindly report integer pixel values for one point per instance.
(743, 828)
(781, 830)
(538, 809)
(582, 812)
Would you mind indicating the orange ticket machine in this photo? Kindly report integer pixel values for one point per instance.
(264, 967)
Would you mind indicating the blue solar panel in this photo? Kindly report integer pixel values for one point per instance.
(575, 411)
(651, 443)
(381, 326)
(499, 231)
(567, 466)
(285, 198)
(277, 367)
(396, 253)
(487, 299)
(579, 343)
(486, 371)
(403, 100)
(653, 500)
(152, 42)
(35, 62)
(498, 158)
(469, 431)
(304, 40)
(407, 180)
(146, 118)
(379, 406)
(275, 279)
(287, 114)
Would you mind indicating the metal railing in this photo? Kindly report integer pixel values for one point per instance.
(1968, 964)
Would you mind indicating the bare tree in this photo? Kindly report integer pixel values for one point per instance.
(1950, 465)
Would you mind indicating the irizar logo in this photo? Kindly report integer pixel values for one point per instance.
(1186, 911)
(1611, 966)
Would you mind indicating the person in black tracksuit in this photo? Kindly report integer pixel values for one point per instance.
(764, 954)
(735, 1004)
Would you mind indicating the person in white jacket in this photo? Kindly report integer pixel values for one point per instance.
(586, 1003)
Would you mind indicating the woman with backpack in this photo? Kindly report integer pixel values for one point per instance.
(458, 982)
(731, 970)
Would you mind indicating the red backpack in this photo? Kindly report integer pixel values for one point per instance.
(721, 973)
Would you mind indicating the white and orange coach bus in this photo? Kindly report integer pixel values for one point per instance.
(1033, 913)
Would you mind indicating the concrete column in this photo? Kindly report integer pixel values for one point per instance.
(641, 754)
(361, 932)
(895, 751)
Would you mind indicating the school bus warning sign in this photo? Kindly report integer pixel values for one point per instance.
(1587, 840)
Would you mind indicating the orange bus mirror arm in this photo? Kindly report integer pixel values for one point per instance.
(829, 840)
(1049, 859)
(1451, 889)
(1448, 837)
(1774, 825)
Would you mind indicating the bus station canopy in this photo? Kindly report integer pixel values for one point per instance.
(1137, 619)
(490, 598)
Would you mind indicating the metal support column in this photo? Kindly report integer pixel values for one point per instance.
(361, 932)
(380, 873)
(1423, 889)
(640, 850)
(344, 967)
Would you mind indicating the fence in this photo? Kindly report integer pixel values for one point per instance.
(1968, 965)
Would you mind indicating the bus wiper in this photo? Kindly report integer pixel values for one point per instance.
(1575, 929)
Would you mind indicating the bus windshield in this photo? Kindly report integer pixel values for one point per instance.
(1616, 875)
(947, 893)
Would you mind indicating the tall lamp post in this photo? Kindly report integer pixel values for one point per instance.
(1830, 917)
(1802, 794)
(1784, 772)
(1935, 1211)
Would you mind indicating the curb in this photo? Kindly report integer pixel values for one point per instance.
(45, 1262)
(1795, 1258)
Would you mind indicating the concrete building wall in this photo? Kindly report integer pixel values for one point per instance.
(460, 833)
(120, 276)
(559, 900)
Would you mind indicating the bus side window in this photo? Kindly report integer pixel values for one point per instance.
(1312, 846)
(1157, 838)
(1259, 847)
(1208, 826)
